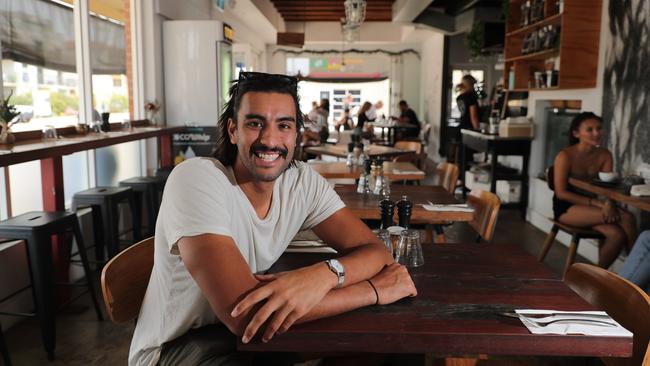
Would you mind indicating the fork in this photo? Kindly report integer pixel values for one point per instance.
(543, 324)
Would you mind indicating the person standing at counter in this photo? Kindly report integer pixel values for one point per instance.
(467, 103)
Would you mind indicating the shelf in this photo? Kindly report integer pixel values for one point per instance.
(532, 56)
(534, 89)
(539, 23)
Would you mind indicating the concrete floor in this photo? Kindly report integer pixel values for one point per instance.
(82, 340)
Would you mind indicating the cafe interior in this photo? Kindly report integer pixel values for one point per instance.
(495, 151)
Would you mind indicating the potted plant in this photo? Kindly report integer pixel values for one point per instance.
(152, 109)
(8, 117)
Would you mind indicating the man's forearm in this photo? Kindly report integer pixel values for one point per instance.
(342, 300)
(365, 261)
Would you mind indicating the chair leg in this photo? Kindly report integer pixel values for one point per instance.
(40, 257)
(81, 246)
(3, 349)
(110, 229)
(440, 234)
(98, 233)
(571, 255)
(136, 221)
(550, 238)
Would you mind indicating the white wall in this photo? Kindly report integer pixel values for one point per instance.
(431, 88)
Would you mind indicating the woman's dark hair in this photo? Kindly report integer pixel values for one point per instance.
(470, 79)
(226, 152)
(325, 104)
(577, 121)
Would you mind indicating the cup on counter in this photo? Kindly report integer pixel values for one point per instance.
(607, 176)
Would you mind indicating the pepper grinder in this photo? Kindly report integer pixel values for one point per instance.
(387, 208)
(404, 207)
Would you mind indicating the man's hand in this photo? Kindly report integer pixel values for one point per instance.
(288, 296)
(393, 283)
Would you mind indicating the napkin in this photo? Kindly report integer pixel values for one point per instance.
(460, 207)
(405, 172)
(591, 323)
(309, 246)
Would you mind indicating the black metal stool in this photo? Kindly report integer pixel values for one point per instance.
(163, 172)
(149, 190)
(36, 229)
(104, 204)
(3, 349)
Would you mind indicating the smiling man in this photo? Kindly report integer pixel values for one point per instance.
(223, 221)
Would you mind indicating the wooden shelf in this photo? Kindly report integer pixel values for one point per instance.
(534, 89)
(546, 21)
(533, 56)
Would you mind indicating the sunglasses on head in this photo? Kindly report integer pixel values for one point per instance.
(261, 76)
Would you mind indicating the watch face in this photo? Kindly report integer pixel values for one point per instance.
(338, 267)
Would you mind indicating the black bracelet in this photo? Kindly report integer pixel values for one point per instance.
(376, 293)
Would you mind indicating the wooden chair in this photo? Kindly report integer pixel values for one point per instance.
(486, 210)
(446, 175)
(414, 146)
(125, 279)
(576, 233)
(621, 299)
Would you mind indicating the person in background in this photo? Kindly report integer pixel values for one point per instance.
(316, 128)
(407, 116)
(467, 103)
(372, 112)
(584, 158)
(324, 112)
(345, 122)
(361, 129)
(637, 265)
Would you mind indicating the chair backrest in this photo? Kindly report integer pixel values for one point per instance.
(125, 279)
(486, 210)
(549, 174)
(621, 299)
(414, 146)
(447, 176)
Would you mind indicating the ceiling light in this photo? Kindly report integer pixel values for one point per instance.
(355, 12)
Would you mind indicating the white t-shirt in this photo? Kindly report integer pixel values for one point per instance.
(201, 196)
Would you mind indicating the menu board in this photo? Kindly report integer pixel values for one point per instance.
(192, 142)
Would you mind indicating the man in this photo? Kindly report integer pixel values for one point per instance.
(407, 116)
(637, 264)
(224, 220)
(372, 113)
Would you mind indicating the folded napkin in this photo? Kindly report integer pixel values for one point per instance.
(405, 172)
(460, 207)
(592, 323)
(309, 246)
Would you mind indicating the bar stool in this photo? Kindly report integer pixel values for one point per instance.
(36, 229)
(104, 204)
(163, 172)
(148, 190)
(3, 349)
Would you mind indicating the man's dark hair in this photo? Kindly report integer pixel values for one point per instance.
(403, 102)
(226, 152)
(577, 121)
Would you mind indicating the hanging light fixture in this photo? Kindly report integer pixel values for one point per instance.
(355, 12)
(350, 33)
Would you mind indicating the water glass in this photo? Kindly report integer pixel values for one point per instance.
(49, 132)
(96, 126)
(409, 249)
(126, 124)
(384, 236)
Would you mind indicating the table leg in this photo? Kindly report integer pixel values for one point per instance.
(493, 170)
(463, 167)
(165, 148)
(524, 184)
(53, 200)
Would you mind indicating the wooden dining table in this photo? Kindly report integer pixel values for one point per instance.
(374, 151)
(366, 207)
(614, 192)
(392, 170)
(463, 290)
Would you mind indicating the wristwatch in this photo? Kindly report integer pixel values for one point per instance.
(337, 268)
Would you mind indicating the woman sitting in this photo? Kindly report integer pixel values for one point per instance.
(362, 120)
(584, 158)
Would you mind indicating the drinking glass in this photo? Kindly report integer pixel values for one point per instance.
(126, 124)
(96, 126)
(49, 132)
(384, 236)
(409, 249)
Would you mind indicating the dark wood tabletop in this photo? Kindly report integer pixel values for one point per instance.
(339, 170)
(462, 288)
(37, 149)
(374, 151)
(615, 193)
(367, 207)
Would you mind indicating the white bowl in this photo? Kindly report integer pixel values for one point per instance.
(607, 176)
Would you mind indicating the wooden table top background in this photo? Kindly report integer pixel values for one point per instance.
(367, 207)
(374, 151)
(462, 288)
(339, 170)
(615, 193)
